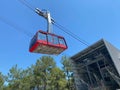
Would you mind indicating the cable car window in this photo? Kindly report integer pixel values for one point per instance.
(33, 41)
(42, 36)
(61, 41)
(55, 40)
(50, 39)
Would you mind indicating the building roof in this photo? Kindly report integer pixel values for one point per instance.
(113, 52)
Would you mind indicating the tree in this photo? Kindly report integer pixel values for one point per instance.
(14, 77)
(57, 79)
(68, 71)
(44, 74)
(42, 70)
(1, 81)
(18, 79)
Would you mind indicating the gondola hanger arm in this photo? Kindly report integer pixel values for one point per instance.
(46, 14)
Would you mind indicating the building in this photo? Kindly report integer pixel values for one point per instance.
(97, 67)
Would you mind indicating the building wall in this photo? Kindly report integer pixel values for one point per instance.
(91, 70)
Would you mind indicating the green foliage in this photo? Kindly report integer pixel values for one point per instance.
(42, 70)
(67, 68)
(58, 81)
(18, 79)
(44, 74)
(1, 81)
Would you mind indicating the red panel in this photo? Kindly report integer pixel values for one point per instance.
(34, 47)
(42, 42)
(63, 46)
(53, 45)
(49, 34)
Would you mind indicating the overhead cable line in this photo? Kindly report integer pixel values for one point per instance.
(16, 27)
(65, 30)
(27, 4)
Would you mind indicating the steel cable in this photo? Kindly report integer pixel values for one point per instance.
(65, 30)
(16, 27)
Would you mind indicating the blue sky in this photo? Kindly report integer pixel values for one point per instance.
(91, 20)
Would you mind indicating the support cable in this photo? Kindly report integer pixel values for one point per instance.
(65, 30)
(57, 25)
(27, 4)
(16, 27)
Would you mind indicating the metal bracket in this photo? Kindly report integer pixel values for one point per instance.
(46, 15)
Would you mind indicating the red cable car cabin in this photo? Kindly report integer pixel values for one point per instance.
(47, 43)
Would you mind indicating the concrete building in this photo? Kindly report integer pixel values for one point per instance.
(97, 67)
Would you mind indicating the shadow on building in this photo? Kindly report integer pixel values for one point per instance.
(97, 67)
